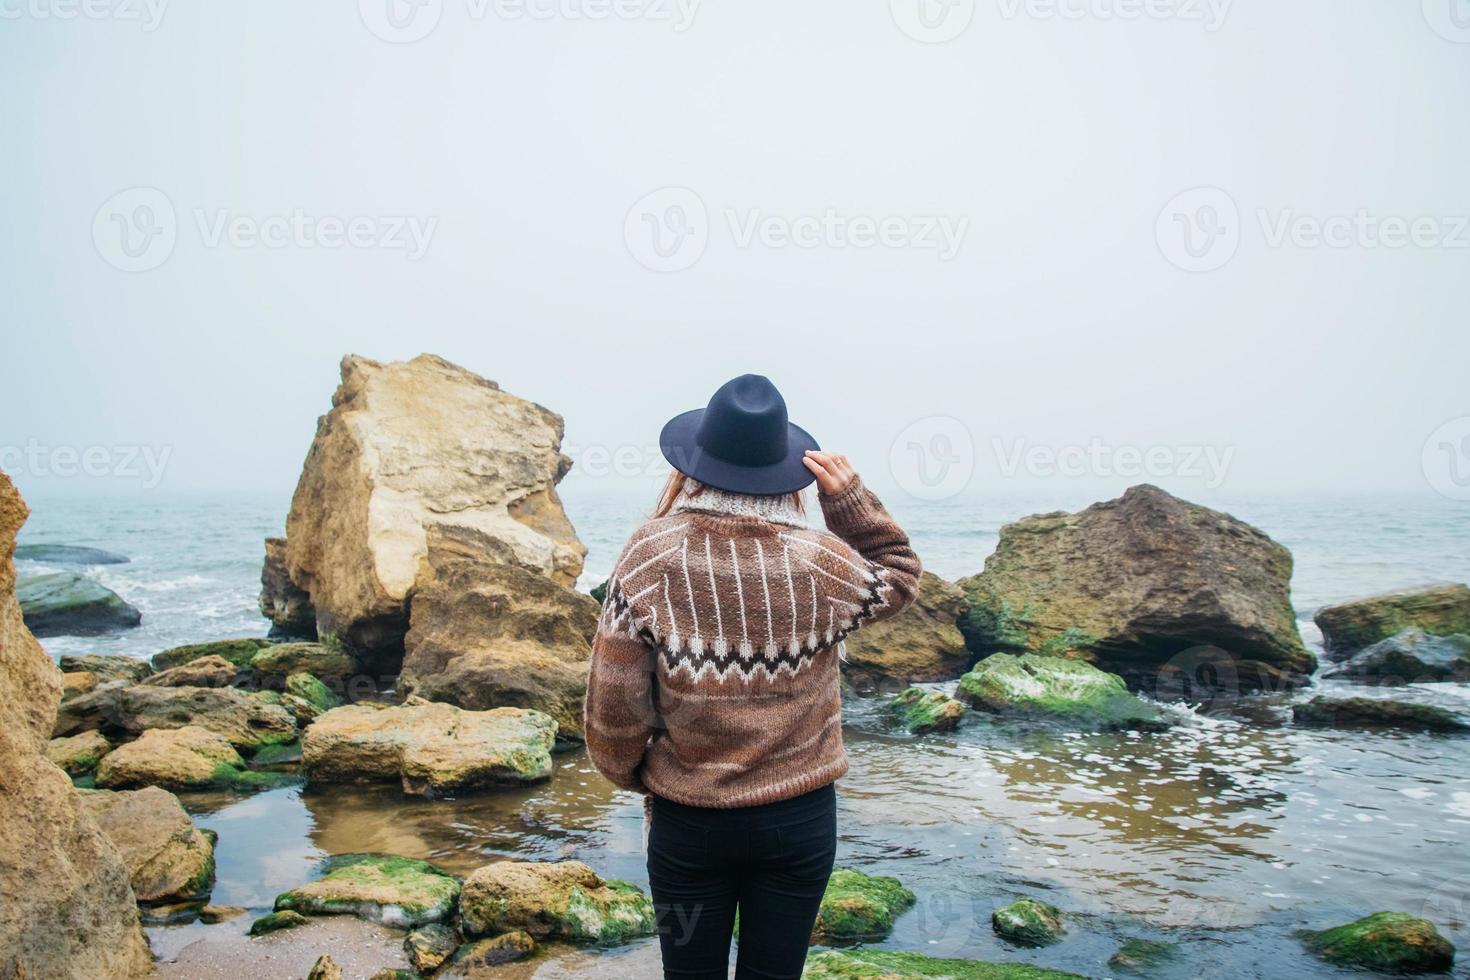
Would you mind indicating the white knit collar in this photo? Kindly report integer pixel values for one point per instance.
(704, 499)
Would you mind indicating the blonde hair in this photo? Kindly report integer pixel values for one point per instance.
(676, 483)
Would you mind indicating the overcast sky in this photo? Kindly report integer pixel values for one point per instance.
(965, 239)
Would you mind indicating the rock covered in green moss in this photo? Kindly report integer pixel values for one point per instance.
(78, 754)
(1439, 610)
(324, 660)
(1386, 942)
(275, 921)
(1329, 712)
(859, 906)
(427, 947)
(1140, 954)
(1028, 922)
(1056, 689)
(168, 858)
(566, 900)
(484, 953)
(923, 711)
(391, 890)
(309, 688)
(238, 652)
(886, 964)
(179, 758)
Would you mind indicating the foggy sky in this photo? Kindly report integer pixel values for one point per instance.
(1055, 140)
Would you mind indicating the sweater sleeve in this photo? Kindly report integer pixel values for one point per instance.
(857, 516)
(619, 712)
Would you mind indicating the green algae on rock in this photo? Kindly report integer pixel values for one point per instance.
(1326, 712)
(885, 964)
(1054, 688)
(390, 890)
(238, 652)
(1439, 610)
(1139, 954)
(309, 688)
(566, 900)
(180, 758)
(1386, 942)
(275, 921)
(923, 711)
(859, 906)
(324, 660)
(78, 754)
(1028, 922)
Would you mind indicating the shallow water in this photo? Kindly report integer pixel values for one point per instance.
(1224, 834)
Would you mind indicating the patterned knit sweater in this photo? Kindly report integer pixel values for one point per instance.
(714, 676)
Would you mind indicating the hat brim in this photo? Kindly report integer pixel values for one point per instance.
(788, 475)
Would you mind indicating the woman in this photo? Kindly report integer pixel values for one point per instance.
(714, 684)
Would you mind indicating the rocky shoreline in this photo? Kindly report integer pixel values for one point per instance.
(425, 634)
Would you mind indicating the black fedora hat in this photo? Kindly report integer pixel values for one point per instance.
(741, 441)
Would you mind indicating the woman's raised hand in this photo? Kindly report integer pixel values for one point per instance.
(832, 470)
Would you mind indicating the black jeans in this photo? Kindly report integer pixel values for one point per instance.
(772, 861)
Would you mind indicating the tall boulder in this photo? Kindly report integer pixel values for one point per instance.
(68, 908)
(409, 449)
(1139, 586)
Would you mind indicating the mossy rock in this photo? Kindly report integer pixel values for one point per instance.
(1056, 689)
(1028, 922)
(884, 964)
(565, 900)
(310, 689)
(276, 921)
(238, 652)
(323, 660)
(1137, 955)
(281, 754)
(78, 754)
(1386, 942)
(859, 906)
(387, 889)
(923, 711)
(1439, 610)
(179, 759)
(63, 604)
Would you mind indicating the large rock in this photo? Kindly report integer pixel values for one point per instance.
(168, 858)
(409, 448)
(1330, 712)
(246, 722)
(565, 900)
(1439, 610)
(1028, 922)
(487, 636)
(1410, 657)
(922, 643)
(178, 758)
(922, 711)
(1055, 689)
(1134, 583)
(1384, 942)
(68, 909)
(78, 754)
(287, 606)
(325, 661)
(237, 652)
(430, 748)
(63, 604)
(208, 671)
(107, 666)
(859, 906)
(68, 554)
